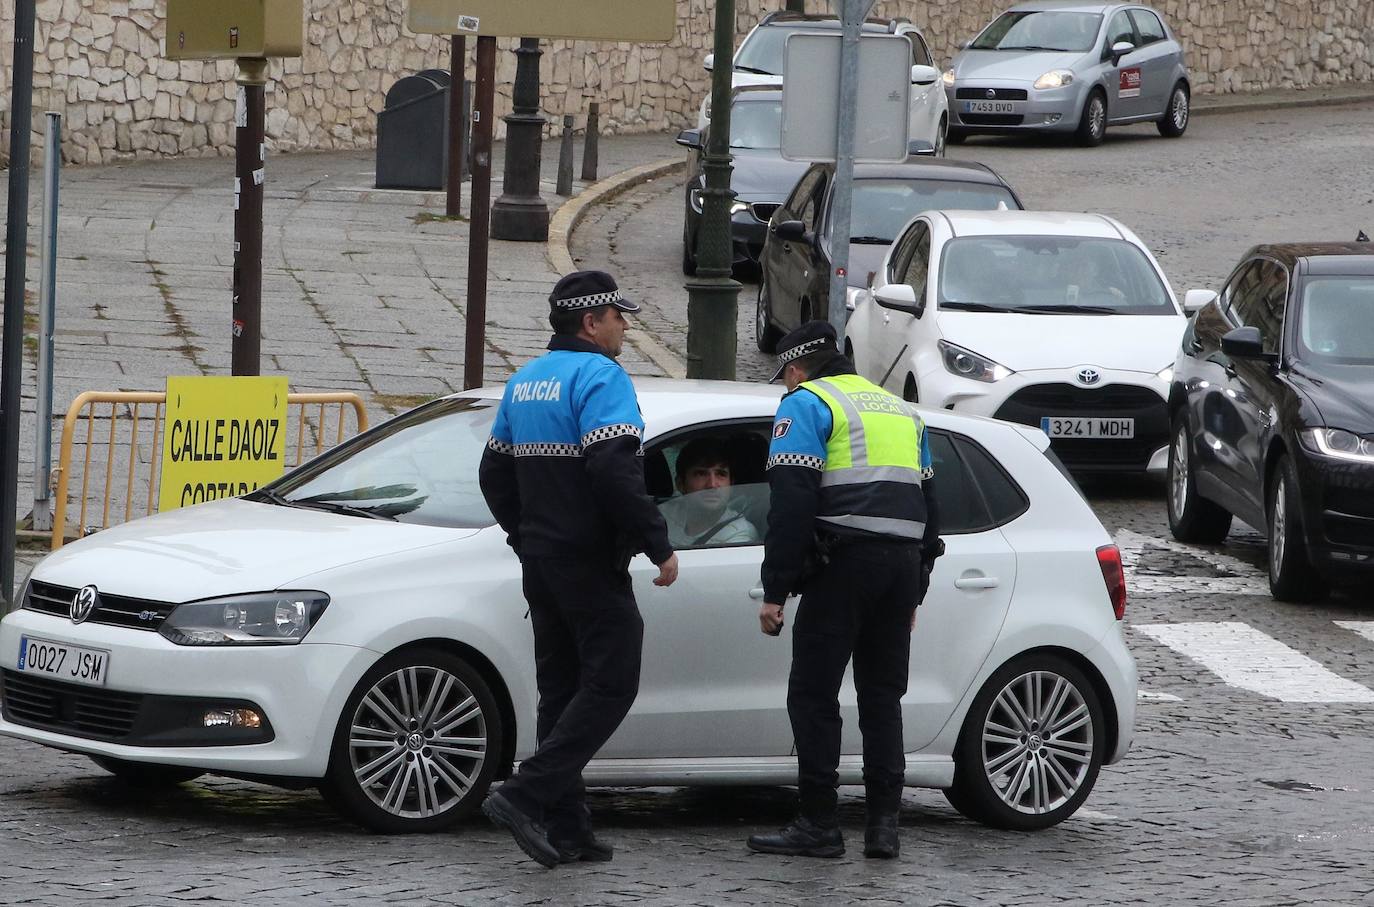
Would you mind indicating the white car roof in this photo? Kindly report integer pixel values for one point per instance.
(1033, 223)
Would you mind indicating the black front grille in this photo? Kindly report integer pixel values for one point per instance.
(991, 119)
(114, 610)
(1348, 529)
(1031, 404)
(998, 94)
(67, 708)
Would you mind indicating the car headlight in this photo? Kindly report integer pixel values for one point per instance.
(1055, 78)
(21, 591)
(1166, 374)
(968, 364)
(948, 77)
(260, 619)
(1339, 444)
(694, 198)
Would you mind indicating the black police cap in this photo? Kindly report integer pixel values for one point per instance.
(814, 336)
(587, 290)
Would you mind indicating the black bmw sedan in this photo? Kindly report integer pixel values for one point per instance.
(1272, 404)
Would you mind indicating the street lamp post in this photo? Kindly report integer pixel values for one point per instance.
(713, 296)
(520, 213)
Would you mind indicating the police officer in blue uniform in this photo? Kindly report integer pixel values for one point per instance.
(563, 474)
(853, 527)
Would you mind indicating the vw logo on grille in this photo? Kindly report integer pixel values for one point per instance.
(86, 601)
(992, 93)
(1089, 376)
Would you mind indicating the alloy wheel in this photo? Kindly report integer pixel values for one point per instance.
(1179, 109)
(1178, 480)
(417, 742)
(1037, 742)
(1278, 531)
(1097, 117)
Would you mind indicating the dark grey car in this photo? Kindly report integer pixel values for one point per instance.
(761, 178)
(795, 284)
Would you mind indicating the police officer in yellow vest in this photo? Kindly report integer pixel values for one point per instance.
(852, 527)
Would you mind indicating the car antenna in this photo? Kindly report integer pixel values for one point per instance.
(1362, 237)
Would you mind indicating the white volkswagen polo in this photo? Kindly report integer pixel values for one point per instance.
(1061, 321)
(359, 625)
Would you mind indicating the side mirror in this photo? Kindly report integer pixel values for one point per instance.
(1119, 50)
(899, 297)
(918, 146)
(690, 138)
(1244, 343)
(923, 75)
(791, 230)
(1195, 301)
(709, 61)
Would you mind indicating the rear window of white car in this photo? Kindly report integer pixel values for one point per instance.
(882, 207)
(1050, 275)
(973, 492)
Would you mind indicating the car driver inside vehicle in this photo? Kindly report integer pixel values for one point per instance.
(703, 516)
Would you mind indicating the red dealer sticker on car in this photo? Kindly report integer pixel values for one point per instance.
(1129, 86)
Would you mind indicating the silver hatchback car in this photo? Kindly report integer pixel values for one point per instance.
(1073, 67)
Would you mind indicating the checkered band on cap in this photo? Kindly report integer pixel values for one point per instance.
(588, 302)
(801, 350)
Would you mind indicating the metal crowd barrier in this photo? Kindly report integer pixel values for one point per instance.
(130, 433)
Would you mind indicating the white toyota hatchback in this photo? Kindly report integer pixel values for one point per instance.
(359, 625)
(1061, 321)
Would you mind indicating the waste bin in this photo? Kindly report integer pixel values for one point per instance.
(412, 133)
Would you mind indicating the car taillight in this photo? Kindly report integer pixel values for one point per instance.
(1109, 559)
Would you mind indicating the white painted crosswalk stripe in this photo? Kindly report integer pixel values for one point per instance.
(1246, 658)
(1363, 627)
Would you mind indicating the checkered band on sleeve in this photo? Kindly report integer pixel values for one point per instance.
(927, 473)
(797, 352)
(587, 302)
(609, 432)
(793, 459)
(500, 447)
(544, 449)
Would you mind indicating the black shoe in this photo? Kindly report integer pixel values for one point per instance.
(880, 838)
(803, 838)
(528, 834)
(585, 847)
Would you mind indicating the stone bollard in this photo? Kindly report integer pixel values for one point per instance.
(565, 158)
(589, 146)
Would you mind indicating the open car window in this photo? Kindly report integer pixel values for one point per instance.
(686, 475)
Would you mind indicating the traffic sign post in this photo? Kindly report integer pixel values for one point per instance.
(852, 16)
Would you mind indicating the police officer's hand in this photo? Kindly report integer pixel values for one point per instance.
(770, 619)
(667, 572)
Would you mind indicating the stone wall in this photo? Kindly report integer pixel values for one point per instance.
(99, 62)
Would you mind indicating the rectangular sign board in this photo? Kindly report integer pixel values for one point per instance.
(649, 21)
(811, 98)
(221, 437)
(234, 29)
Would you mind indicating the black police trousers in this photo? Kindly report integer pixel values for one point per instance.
(858, 605)
(587, 642)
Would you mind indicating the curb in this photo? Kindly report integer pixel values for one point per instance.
(566, 219)
(1201, 108)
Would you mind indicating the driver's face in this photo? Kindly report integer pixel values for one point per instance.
(708, 483)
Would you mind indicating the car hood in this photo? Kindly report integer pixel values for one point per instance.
(764, 176)
(227, 547)
(1137, 343)
(1340, 393)
(1024, 66)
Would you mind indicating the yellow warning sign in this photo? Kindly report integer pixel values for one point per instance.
(222, 437)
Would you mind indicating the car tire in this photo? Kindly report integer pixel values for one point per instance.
(1175, 120)
(1092, 125)
(146, 775)
(766, 335)
(386, 769)
(1292, 578)
(1040, 775)
(1192, 518)
(955, 136)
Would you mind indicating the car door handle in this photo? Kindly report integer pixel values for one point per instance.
(756, 594)
(976, 581)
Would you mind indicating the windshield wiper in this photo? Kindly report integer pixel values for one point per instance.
(268, 495)
(754, 69)
(869, 240)
(1060, 50)
(961, 306)
(1069, 309)
(336, 507)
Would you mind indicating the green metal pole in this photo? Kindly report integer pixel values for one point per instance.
(713, 296)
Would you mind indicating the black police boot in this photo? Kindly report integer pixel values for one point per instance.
(880, 837)
(803, 838)
(584, 846)
(528, 833)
